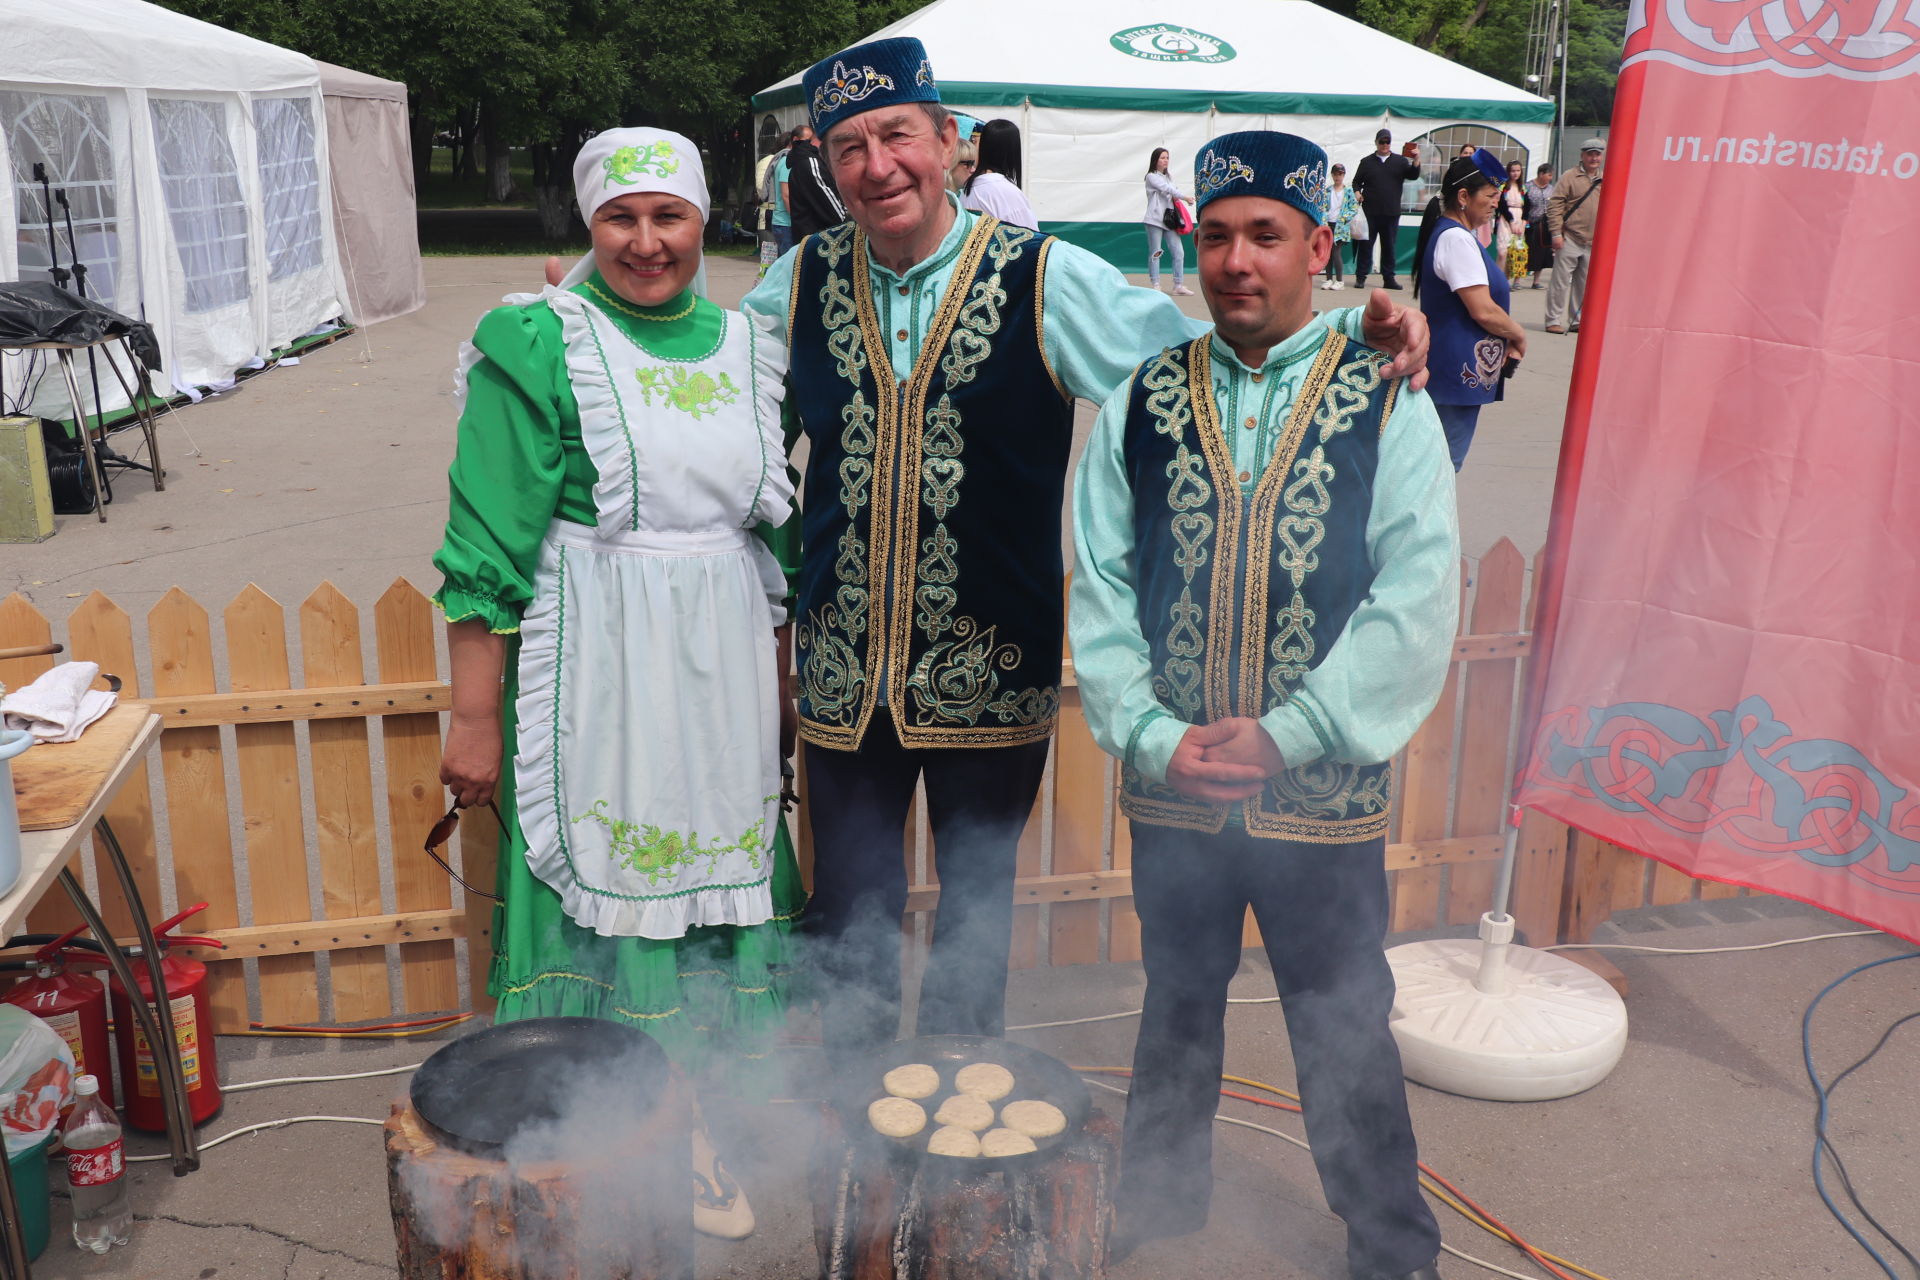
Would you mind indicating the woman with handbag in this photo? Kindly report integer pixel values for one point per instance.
(1166, 222)
(1510, 224)
(1343, 210)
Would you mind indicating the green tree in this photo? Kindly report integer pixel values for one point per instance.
(1490, 36)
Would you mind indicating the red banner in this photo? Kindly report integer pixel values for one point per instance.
(1729, 656)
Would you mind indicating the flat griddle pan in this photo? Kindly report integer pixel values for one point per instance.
(1035, 1075)
(475, 1094)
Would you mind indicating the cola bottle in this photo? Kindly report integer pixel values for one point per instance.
(96, 1170)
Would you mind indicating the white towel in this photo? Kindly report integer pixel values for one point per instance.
(60, 705)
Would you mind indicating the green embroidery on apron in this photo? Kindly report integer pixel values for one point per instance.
(697, 394)
(658, 854)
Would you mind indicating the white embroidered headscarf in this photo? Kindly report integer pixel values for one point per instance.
(620, 162)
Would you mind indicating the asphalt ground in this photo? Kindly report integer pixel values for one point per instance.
(1691, 1160)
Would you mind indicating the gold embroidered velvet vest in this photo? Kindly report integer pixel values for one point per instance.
(931, 575)
(1241, 595)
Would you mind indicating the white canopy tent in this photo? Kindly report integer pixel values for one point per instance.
(375, 225)
(1095, 85)
(195, 165)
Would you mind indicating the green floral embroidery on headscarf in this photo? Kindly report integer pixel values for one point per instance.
(627, 165)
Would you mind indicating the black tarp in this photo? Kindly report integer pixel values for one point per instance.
(35, 311)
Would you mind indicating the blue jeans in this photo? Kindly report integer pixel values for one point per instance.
(1323, 912)
(1156, 236)
(782, 238)
(1458, 421)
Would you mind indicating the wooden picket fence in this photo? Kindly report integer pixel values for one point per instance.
(297, 806)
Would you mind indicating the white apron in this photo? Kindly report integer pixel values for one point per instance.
(647, 775)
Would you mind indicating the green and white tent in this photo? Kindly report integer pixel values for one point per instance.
(1095, 85)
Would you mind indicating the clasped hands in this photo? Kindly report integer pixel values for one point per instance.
(1223, 762)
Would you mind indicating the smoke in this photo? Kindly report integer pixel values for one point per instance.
(595, 1186)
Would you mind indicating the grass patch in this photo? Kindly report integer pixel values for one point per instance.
(501, 248)
(442, 190)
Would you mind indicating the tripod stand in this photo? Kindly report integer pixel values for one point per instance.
(102, 457)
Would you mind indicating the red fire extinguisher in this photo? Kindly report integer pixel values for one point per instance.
(185, 1008)
(73, 1004)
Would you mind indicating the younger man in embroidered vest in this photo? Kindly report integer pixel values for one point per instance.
(1264, 602)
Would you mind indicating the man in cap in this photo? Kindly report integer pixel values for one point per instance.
(935, 357)
(1264, 599)
(1573, 212)
(1378, 180)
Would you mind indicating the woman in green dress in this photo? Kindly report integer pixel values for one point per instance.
(616, 567)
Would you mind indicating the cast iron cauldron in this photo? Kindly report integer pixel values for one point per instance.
(475, 1094)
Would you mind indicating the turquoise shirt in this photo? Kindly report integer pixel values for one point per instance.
(1098, 326)
(1379, 680)
(782, 216)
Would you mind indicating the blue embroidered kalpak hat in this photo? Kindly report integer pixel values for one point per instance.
(1260, 162)
(1489, 165)
(880, 73)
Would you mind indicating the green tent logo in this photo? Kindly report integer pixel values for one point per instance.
(1164, 42)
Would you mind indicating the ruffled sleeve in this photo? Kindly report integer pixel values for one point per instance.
(507, 469)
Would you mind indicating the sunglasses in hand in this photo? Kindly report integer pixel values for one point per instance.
(442, 832)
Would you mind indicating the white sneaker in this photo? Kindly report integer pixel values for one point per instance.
(1181, 291)
(720, 1207)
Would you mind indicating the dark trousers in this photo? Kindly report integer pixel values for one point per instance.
(1322, 911)
(978, 800)
(1383, 229)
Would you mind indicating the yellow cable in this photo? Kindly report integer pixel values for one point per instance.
(345, 1035)
(1432, 1188)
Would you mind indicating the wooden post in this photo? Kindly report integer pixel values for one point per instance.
(276, 834)
(1486, 717)
(100, 631)
(880, 1219)
(344, 822)
(180, 640)
(461, 1217)
(404, 631)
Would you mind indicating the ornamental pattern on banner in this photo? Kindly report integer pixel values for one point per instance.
(1854, 39)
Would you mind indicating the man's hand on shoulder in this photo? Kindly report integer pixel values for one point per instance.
(1399, 331)
(1193, 774)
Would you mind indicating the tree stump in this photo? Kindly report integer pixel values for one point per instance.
(621, 1217)
(879, 1218)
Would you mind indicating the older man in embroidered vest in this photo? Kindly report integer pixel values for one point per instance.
(1264, 602)
(936, 355)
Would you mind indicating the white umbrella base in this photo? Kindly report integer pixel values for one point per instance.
(1543, 1027)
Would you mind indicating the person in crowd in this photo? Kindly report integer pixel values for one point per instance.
(766, 187)
(1539, 236)
(810, 191)
(1573, 212)
(1342, 207)
(937, 353)
(1377, 181)
(966, 157)
(1465, 296)
(1510, 224)
(1164, 239)
(615, 584)
(1267, 788)
(995, 185)
(782, 217)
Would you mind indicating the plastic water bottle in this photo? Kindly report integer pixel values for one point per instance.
(96, 1170)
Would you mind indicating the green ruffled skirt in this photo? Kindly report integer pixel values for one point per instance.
(716, 999)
